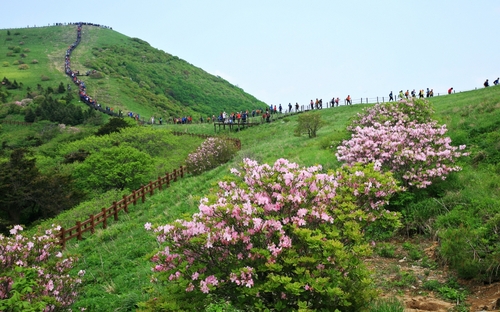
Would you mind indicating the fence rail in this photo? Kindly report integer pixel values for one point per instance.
(93, 221)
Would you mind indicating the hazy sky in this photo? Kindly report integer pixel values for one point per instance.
(295, 51)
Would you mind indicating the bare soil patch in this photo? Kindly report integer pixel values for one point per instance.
(402, 275)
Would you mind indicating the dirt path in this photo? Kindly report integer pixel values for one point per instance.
(407, 271)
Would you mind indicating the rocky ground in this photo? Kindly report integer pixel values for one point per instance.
(409, 271)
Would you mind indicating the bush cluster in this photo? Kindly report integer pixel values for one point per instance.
(401, 138)
(212, 153)
(278, 237)
(34, 274)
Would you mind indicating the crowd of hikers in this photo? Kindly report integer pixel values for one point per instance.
(487, 83)
(223, 117)
(84, 97)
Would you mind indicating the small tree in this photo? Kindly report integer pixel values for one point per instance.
(309, 123)
(113, 125)
(30, 115)
(61, 89)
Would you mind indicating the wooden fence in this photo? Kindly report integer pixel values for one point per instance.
(93, 221)
(112, 211)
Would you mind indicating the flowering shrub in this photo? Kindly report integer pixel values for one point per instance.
(34, 273)
(280, 238)
(404, 141)
(391, 113)
(212, 153)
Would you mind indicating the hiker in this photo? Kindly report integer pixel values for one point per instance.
(496, 82)
(296, 106)
(390, 97)
(401, 95)
(450, 90)
(289, 107)
(348, 100)
(486, 83)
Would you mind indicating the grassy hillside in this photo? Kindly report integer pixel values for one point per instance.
(132, 75)
(117, 259)
(461, 213)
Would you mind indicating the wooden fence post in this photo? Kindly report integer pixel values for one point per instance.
(159, 183)
(105, 218)
(151, 189)
(79, 230)
(134, 197)
(63, 240)
(182, 171)
(143, 194)
(115, 211)
(125, 203)
(175, 175)
(168, 179)
(92, 224)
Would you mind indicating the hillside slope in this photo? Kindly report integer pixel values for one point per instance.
(118, 258)
(130, 74)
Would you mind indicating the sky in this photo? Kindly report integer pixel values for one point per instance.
(294, 51)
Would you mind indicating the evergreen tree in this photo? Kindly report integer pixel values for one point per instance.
(29, 115)
(61, 89)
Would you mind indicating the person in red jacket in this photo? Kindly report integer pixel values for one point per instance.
(450, 90)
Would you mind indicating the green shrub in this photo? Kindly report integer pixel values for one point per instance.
(23, 67)
(391, 304)
(451, 290)
(413, 252)
(113, 125)
(5, 64)
(44, 78)
(34, 61)
(404, 279)
(96, 75)
(386, 250)
(116, 167)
